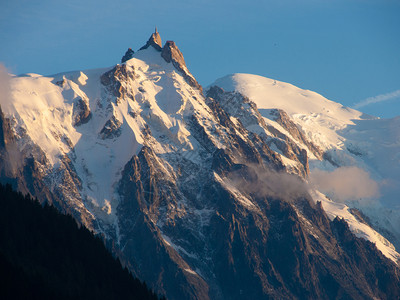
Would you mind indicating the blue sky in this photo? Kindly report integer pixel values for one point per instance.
(348, 51)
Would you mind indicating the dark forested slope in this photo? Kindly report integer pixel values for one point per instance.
(46, 255)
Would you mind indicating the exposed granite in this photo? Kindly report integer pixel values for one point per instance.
(154, 41)
(171, 53)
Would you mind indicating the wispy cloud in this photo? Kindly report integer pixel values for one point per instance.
(377, 99)
(255, 180)
(345, 183)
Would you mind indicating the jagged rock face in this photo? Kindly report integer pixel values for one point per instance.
(114, 80)
(272, 248)
(369, 265)
(284, 120)
(237, 105)
(147, 190)
(193, 193)
(6, 136)
(128, 55)
(232, 245)
(246, 111)
(6, 141)
(111, 129)
(171, 53)
(81, 112)
(154, 41)
(28, 172)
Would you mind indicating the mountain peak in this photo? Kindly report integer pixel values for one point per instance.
(128, 55)
(154, 40)
(172, 54)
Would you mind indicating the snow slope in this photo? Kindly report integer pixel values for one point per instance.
(41, 111)
(360, 229)
(348, 138)
(318, 117)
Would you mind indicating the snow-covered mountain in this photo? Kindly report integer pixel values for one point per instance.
(357, 161)
(209, 194)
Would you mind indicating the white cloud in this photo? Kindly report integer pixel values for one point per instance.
(345, 183)
(377, 99)
(268, 183)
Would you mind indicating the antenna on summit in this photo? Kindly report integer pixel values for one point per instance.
(155, 30)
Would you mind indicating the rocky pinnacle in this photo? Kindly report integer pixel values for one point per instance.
(128, 55)
(154, 40)
(171, 53)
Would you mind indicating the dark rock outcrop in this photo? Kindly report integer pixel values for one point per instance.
(111, 129)
(237, 105)
(372, 269)
(128, 55)
(7, 141)
(81, 113)
(115, 80)
(6, 135)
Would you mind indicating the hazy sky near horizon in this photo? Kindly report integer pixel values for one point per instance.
(346, 50)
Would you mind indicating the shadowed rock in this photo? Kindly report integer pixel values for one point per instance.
(128, 55)
(111, 129)
(81, 112)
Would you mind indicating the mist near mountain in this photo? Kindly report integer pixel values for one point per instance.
(269, 183)
(345, 183)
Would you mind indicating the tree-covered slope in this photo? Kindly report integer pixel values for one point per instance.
(46, 255)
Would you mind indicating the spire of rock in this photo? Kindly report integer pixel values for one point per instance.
(171, 53)
(128, 55)
(154, 40)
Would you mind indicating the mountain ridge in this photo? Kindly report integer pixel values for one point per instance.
(192, 187)
(348, 139)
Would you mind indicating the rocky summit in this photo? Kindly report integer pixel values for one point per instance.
(203, 195)
(154, 41)
(128, 55)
